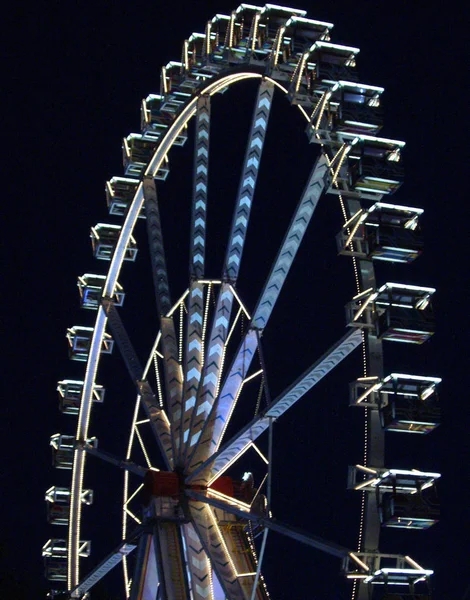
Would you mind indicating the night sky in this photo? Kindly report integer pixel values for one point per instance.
(75, 76)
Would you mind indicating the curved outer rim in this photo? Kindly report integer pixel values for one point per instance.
(161, 152)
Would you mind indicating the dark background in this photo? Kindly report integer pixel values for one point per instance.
(75, 74)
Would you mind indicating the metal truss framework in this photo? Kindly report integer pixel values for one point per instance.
(200, 544)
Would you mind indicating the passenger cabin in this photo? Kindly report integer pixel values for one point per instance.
(55, 553)
(172, 89)
(388, 570)
(70, 395)
(406, 511)
(62, 450)
(104, 239)
(295, 38)
(265, 34)
(397, 312)
(386, 232)
(405, 499)
(58, 504)
(91, 287)
(63, 447)
(120, 192)
(344, 107)
(79, 339)
(322, 61)
(137, 152)
(155, 123)
(407, 403)
(218, 29)
(371, 169)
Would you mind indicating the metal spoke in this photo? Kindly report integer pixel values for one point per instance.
(113, 559)
(173, 379)
(240, 443)
(157, 252)
(127, 465)
(293, 532)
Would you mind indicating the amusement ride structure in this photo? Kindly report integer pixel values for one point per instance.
(189, 529)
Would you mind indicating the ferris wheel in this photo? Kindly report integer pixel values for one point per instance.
(190, 528)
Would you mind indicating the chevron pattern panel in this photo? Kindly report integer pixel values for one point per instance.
(200, 183)
(248, 181)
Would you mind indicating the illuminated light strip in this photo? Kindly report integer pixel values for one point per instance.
(242, 306)
(326, 97)
(229, 499)
(252, 376)
(211, 281)
(124, 514)
(374, 388)
(139, 437)
(353, 232)
(229, 464)
(255, 30)
(402, 286)
(355, 216)
(185, 54)
(364, 484)
(221, 366)
(370, 299)
(180, 301)
(142, 422)
(180, 345)
(301, 68)
(359, 562)
(280, 34)
(414, 377)
(366, 469)
(204, 323)
(126, 577)
(230, 334)
(152, 354)
(159, 383)
(222, 539)
(260, 487)
(253, 445)
(370, 378)
(135, 493)
(132, 515)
